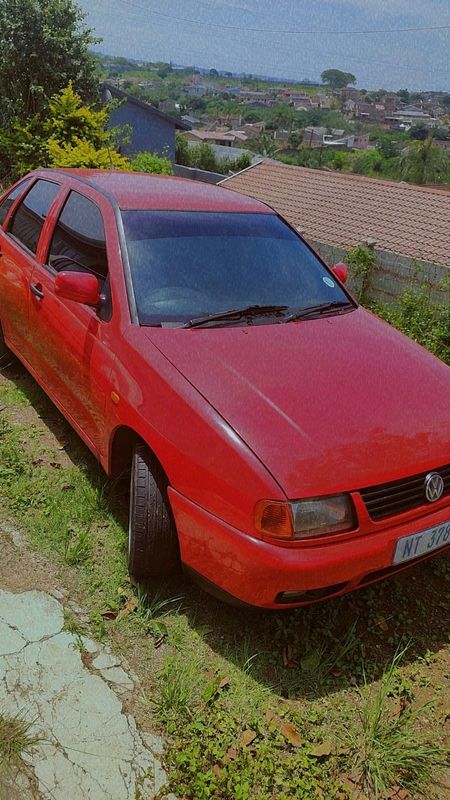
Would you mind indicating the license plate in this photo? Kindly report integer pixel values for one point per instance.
(419, 544)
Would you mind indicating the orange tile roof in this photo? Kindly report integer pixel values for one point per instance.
(345, 210)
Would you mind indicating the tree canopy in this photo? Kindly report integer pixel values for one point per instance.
(337, 79)
(425, 162)
(44, 44)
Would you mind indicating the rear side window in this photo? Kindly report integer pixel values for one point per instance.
(78, 243)
(6, 204)
(30, 215)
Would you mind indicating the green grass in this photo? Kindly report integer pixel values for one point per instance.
(387, 749)
(253, 705)
(16, 739)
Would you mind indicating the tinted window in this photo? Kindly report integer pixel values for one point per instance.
(185, 264)
(30, 215)
(9, 200)
(78, 242)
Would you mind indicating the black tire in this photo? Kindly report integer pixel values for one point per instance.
(6, 356)
(153, 550)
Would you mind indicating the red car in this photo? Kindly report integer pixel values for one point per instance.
(285, 445)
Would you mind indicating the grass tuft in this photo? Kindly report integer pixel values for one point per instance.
(16, 739)
(387, 749)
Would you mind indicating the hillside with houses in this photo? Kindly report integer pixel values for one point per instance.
(240, 119)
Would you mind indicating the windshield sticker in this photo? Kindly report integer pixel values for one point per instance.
(329, 282)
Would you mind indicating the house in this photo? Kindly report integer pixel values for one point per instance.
(340, 210)
(227, 120)
(324, 101)
(190, 120)
(224, 137)
(314, 136)
(253, 130)
(195, 90)
(281, 137)
(151, 130)
(368, 112)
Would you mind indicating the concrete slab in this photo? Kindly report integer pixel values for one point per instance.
(90, 748)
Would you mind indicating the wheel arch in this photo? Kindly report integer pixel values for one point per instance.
(121, 448)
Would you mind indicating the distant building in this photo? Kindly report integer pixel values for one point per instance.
(321, 137)
(313, 136)
(225, 137)
(281, 137)
(151, 129)
(195, 90)
(190, 120)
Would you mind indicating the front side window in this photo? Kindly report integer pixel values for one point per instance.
(7, 202)
(28, 220)
(185, 264)
(78, 243)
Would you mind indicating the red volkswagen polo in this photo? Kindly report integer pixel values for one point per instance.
(284, 444)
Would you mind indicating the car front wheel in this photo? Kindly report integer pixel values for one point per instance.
(152, 541)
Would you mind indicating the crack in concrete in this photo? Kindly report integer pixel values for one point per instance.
(91, 748)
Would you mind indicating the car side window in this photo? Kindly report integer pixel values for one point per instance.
(7, 202)
(79, 243)
(28, 220)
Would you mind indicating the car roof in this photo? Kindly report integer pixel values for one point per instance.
(133, 190)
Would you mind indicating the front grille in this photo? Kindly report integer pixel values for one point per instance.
(388, 499)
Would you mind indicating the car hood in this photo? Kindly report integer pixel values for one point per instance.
(327, 405)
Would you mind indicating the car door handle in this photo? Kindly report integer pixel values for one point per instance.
(37, 291)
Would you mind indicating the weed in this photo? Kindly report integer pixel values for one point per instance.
(72, 624)
(16, 738)
(362, 263)
(421, 318)
(387, 749)
(177, 683)
(152, 609)
(77, 546)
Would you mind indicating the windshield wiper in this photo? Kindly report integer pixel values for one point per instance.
(235, 313)
(318, 309)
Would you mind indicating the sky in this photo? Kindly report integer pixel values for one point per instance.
(285, 38)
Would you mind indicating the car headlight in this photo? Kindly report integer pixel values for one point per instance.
(304, 519)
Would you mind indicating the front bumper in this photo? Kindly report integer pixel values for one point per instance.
(257, 573)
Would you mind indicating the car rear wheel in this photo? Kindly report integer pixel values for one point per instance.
(5, 354)
(153, 549)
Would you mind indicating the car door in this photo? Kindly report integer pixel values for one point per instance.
(72, 342)
(19, 244)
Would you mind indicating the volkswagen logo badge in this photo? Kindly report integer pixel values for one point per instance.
(434, 487)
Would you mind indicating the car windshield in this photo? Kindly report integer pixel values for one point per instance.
(188, 264)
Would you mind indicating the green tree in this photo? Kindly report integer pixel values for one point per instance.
(419, 131)
(387, 146)
(69, 134)
(337, 79)
(425, 162)
(182, 150)
(403, 94)
(44, 44)
(77, 135)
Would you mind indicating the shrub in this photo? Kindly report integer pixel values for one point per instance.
(361, 261)
(423, 320)
(149, 162)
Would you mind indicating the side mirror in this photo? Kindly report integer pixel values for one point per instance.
(81, 287)
(341, 271)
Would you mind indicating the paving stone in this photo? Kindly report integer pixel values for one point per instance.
(89, 645)
(90, 748)
(105, 660)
